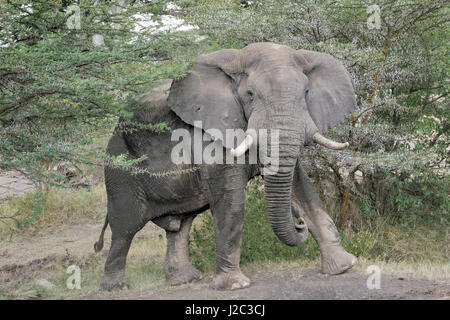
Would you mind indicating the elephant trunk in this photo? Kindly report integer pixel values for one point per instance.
(278, 189)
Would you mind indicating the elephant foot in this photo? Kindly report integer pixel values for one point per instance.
(230, 281)
(336, 260)
(186, 274)
(114, 281)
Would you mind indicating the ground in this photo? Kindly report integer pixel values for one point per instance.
(13, 182)
(30, 257)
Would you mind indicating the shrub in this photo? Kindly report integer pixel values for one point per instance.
(402, 217)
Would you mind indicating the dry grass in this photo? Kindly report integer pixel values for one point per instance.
(427, 270)
(59, 207)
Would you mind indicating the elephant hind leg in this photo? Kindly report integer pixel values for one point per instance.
(177, 267)
(114, 276)
(125, 220)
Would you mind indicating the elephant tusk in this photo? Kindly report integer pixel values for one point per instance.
(320, 139)
(243, 147)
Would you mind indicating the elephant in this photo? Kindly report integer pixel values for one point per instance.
(299, 94)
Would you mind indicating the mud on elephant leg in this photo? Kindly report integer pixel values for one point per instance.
(228, 224)
(177, 266)
(307, 204)
(227, 199)
(125, 221)
(114, 276)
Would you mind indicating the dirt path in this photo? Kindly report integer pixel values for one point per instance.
(13, 183)
(25, 249)
(308, 283)
(34, 256)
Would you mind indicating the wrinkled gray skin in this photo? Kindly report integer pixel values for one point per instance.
(263, 86)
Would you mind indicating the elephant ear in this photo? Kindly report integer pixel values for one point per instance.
(331, 95)
(207, 94)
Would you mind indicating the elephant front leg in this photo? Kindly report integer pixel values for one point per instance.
(307, 204)
(228, 216)
(227, 207)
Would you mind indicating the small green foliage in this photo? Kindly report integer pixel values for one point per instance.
(360, 243)
(37, 208)
(407, 198)
(403, 217)
(202, 247)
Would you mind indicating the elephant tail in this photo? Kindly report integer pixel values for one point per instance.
(99, 244)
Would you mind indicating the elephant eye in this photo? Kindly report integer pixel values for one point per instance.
(250, 94)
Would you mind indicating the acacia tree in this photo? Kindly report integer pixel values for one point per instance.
(68, 70)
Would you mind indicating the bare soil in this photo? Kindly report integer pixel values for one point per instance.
(309, 284)
(34, 255)
(14, 183)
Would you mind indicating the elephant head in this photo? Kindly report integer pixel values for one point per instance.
(299, 93)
